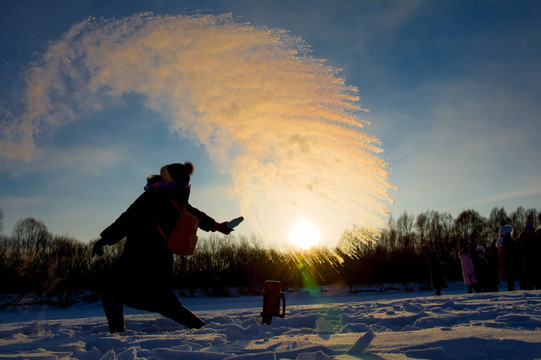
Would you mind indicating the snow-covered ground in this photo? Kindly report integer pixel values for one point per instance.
(394, 324)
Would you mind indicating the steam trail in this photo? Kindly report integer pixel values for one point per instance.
(285, 124)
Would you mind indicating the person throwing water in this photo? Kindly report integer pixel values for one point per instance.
(141, 277)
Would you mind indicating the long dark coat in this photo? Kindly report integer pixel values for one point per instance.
(508, 259)
(145, 266)
(437, 273)
(526, 253)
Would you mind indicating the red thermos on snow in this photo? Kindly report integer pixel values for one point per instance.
(271, 301)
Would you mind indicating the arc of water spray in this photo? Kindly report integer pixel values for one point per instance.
(285, 125)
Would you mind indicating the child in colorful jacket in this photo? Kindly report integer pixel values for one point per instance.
(468, 269)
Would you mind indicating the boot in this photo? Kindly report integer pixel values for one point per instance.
(114, 311)
(185, 317)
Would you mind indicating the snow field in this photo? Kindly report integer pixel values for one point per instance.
(504, 325)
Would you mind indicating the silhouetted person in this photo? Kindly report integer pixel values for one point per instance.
(141, 277)
(468, 269)
(526, 257)
(507, 257)
(481, 266)
(491, 254)
(537, 259)
(437, 273)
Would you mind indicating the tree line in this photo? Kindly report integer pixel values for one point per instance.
(32, 260)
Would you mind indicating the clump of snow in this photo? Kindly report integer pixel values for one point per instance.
(361, 344)
(323, 326)
(503, 325)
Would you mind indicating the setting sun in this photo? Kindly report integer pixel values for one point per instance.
(304, 235)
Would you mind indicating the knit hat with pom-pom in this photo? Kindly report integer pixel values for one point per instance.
(178, 173)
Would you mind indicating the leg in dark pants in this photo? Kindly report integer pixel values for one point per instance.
(184, 316)
(511, 285)
(109, 289)
(169, 306)
(114, 311)
(147, 294)
(163, 301)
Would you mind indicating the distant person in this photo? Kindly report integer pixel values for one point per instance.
(491, 254)
(526, 255)
(507, 256)
(141, 277)
(537, 259)
(468, 269)
(481, 266)
(437, 273)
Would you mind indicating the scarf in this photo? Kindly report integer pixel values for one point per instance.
(166, 186)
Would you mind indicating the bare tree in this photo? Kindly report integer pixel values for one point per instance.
(404, 225)
(518, 220)
(497, 218)
(438, 231)
(388, 236)
(422, 224)
(442, 226)
(31, 234)
(470, 225)
(532, 217)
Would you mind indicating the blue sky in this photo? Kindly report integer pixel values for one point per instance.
(452, 90)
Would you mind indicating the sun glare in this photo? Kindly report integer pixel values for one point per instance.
(304, 235)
